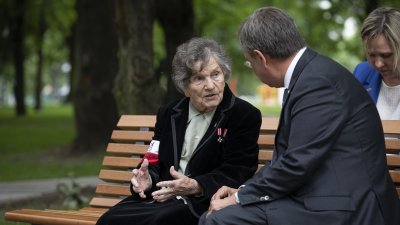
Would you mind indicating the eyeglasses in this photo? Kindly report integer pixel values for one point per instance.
(201, 80)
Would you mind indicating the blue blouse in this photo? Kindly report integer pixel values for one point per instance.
(369, 78)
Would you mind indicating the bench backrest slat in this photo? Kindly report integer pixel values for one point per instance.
(115, 175)
(392, 145)
(391, 126)
(118, 190)
(132, 122)
(127, 136)
(127, 149)
(129, 142)
(121, 162)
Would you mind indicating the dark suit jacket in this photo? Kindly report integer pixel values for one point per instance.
(213, 164)
(329, 163)
(370, 78)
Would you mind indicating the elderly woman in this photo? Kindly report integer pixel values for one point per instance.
(201, 142)
(380, 76)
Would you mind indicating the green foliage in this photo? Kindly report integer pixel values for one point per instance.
(73, 198)
(58, 17)
(220, 20)
(322, 22)
(159, 44)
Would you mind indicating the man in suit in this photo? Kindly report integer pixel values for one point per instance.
(201, 142)
(329, 161)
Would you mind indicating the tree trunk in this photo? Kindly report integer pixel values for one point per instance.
(177, 20)
(19, 56)
(70, 42)
(39, 72)
(370, 5)
(95, 69)
(136, 88)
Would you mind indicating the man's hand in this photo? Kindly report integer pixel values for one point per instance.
(181, 185)
(224, 197)
(141, 180)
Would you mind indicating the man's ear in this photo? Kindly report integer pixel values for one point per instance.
(264, 59)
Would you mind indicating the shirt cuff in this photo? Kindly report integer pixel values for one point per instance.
(237, 198)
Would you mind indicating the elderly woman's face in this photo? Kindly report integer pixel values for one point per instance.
(206, 88)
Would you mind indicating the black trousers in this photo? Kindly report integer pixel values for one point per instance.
(133, 212)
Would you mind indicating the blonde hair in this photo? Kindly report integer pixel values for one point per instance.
(384, 21)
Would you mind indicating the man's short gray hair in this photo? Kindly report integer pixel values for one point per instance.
(271, 31)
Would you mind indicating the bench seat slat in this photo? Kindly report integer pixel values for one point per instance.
(95, 209)
(76, 212)
(49, 218)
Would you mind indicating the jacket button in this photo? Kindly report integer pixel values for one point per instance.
(264, 198)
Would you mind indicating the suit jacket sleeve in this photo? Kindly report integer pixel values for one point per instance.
(311, 120)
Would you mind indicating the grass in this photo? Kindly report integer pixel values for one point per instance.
(33, 146)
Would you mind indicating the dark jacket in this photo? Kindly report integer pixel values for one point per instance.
(214, 163)
(329, 166)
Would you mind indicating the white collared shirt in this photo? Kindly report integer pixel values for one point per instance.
(292, 65)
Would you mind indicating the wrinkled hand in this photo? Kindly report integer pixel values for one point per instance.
(141, 180)
(225, 196)
(181, 185)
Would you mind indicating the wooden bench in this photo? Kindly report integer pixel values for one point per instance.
(129, 143)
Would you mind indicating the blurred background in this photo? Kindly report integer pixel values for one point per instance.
(69, 69)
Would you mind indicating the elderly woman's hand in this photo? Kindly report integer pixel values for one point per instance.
(181, 185)
(141, 180)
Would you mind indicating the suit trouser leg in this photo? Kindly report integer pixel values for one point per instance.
(236, 214)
